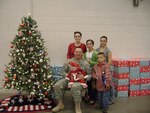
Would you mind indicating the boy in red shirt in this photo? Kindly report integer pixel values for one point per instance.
(101, 72)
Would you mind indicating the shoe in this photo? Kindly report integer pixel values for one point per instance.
(92, 102)
(58, 108)
(98, 107)
(111, 102)
(104, 110)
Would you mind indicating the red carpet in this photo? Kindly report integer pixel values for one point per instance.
(26, 104)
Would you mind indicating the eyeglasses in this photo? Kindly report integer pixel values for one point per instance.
(103, 41)
(77, 36)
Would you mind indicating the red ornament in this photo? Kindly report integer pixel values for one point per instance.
(12, 46)
(46, 82)
(15, 76)
(6, 79)
(35, 65)
(46, 93)
(22, 24)
(5, 70)
(30, 32)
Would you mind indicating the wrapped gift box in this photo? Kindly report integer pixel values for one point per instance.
(145, 80)
(120, 82)
(135, 69)
(145, 87)
(145, 75)
(120, 62)
(134, 93)
(135, 72)
(134, 87)
(135, 81)
(121, 75)
(145, 92)
(121, 69)
(57, 77)
(134, 75)
(121, 93)
(134, 63)
(121, 88)
(144, 62)
(145, 69)
(56, 69)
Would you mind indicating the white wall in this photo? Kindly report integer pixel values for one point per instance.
(127, 27)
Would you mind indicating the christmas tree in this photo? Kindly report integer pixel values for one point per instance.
(29, 68)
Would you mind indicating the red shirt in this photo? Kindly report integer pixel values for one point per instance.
(97, 73)
(71, 48)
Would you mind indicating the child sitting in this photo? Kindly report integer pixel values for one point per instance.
(73, 75)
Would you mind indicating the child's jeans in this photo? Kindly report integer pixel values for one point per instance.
(103, 98)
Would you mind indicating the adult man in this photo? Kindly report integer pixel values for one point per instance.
(77, 88)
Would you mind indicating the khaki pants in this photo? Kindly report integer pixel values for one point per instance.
(62, 85)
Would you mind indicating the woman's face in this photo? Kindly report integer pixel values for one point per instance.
(77, 37)
(103, 41)
(89, 45)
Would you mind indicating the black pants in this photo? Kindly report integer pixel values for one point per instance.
(92, 92)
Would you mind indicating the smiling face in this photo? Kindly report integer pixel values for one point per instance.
(78, 53)
(103, 41)
(89, 45)
(101, 58)
(77, 37)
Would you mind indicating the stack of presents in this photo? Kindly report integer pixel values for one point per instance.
(131, 77)
(56, 72)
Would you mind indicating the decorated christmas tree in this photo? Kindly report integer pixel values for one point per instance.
(29, 68)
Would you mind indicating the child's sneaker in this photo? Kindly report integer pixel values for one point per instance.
(92, 102)
(104, 110)
(98, 107)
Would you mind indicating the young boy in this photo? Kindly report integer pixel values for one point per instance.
(101, 72)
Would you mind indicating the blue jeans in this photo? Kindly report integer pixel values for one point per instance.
(111, 93)
(103, 98)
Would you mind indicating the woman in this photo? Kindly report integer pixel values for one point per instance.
(103, 48)
(91, 57)
(77, 43)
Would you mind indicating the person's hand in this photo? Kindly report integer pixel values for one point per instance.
(107, 86)
(69, 85)
(89, 78)
(80, 76)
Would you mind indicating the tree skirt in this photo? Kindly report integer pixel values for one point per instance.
(26, 103)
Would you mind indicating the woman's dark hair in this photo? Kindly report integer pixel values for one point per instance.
(103, 37)
(90, 41)
(78, 33)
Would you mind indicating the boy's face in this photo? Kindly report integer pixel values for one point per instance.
(101, 58)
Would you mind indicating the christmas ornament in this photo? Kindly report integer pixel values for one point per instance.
(12, 46)
(15, 76)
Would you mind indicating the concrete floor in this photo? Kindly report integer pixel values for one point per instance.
(122, 105)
